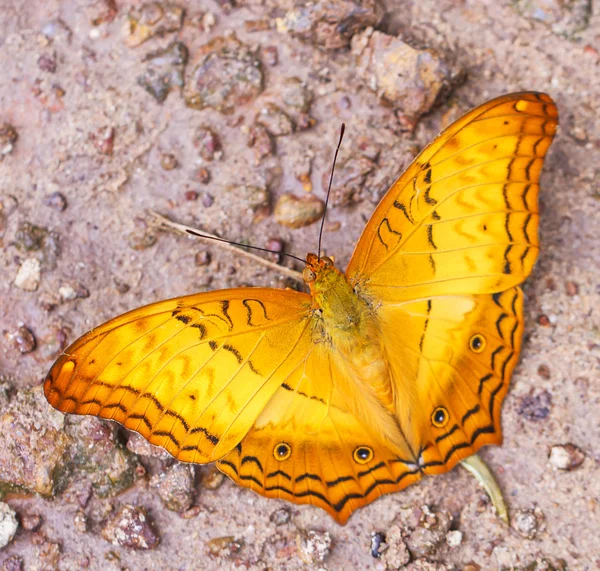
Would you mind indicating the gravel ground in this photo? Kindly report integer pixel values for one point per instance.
(225, 115)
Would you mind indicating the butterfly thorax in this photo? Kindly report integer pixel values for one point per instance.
(347, 322)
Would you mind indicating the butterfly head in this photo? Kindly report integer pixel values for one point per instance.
(316, 268)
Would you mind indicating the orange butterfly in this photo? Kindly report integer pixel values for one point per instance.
(392, 370)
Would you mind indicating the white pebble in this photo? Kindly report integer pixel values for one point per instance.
(28, 276)
(454, 538)
(8, 524)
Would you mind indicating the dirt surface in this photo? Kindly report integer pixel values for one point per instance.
(88, 147)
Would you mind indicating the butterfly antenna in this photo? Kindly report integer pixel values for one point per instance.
(342, 130)
(193, 232)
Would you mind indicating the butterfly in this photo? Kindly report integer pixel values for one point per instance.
(395, 369)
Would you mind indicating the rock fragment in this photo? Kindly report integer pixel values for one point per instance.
(175, 487)
(313, 546)
(566, 456)
(408, 79)
(330, 24)
(8, 524)
(277, 122)
(152, 19)
(226, 546)
(130, 527)
(396, 553)
(208, 143)
(164, 71)
(8, 138)
(563, 18)
(535, 406)
(224, 74)
(295, 212)
(528, 523)
(22, 339)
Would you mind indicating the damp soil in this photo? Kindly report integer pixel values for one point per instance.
(225, 115)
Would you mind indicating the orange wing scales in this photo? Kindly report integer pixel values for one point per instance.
(430, 234)
(170, 370)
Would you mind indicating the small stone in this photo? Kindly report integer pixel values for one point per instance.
(164, 71)
(313, 546)
(207, 200)
(344, 103)
(406, 78)
(544, 371)
(22, 339)
(168, 161)
(12, 563)
(296, 94)
(275, 245)
(141, 240)
(152, 19)
(261, 141)
(212, 478)
(208, 143)
(305, 121)
(80, 521)
(8, 138)
(566, 456)
(271, 56)
(29, 237)
(8, 524)
(104, 140)
(56, 201)
(203, 175)
(544, 320)
(396, 552)
(224, 74)
(281, 516)
(563, 18)
(454, 538)
(47, 63)
(226, 546)
(139, 445)
(175, 487)
(528, 522)
(260, 25)
(29, 275)
(251, 196)
(202, 258)
(276, 121)
(72, 290)
(296, 212)
(31, 522)
(378, 544)
(191, 195)
(571, 288)
(535, 406)
(130, 527)
(330, 24)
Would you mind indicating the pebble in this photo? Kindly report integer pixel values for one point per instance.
(563, 18)
(544, 371)
(566, 456)
(225, 546)
(139, 445)
(47, 63)
(22, 339)
(224, 74)
(378, 544)
(104, 140)
(13, 563)
(330, 24)
(56, 201)
(277, 122)
(261, 141)
(208, 143)
(8, 524)
(8, 138)
(152, 19)
(71, 291)
(528, 522)
(203, 175)
(175, 487)
(191, 195)
(31, 522)
(164, 70)
(535, 406)
(408, 79)
(168, 161)
(296, 212)
(212, 478)
(313, 546)
(29, 275)
(571, 288)
(281, 516)
(295, 93)
(130, 527)
(202, 258)
(454, 538)
(396, 553)
(271, 55)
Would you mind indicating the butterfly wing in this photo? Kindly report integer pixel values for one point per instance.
(463, 218)
(309, 448)
(190, 374)
(440, 260)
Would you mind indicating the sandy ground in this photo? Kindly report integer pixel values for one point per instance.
(62, 116)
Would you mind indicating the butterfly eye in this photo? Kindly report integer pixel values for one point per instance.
(308, 275)
(477, 343)
(327, 262)
(362, 454)
(439, 418)
(282, 451)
